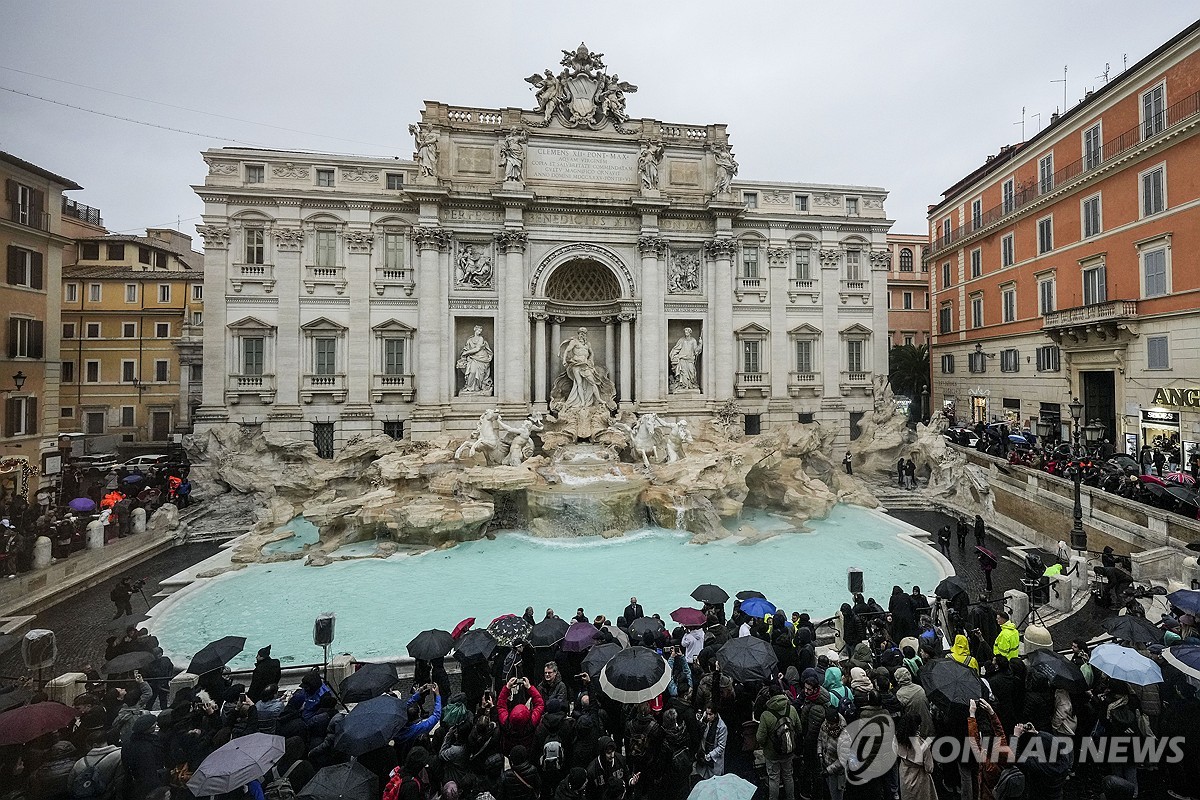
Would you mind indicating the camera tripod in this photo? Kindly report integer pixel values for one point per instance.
(1031, 589)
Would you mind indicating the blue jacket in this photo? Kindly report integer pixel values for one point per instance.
(410, 732)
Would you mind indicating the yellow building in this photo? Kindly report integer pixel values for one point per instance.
(32, 240)
(132, 317)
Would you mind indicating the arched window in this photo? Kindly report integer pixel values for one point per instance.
(906, 259)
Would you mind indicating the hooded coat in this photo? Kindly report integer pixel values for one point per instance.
(519, 722)
(144, 758)
(912, 698)
(778, 708)
(961, 652)
(51, 781)
(904, 614)
(839, 694)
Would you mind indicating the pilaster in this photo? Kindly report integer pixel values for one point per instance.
(651, 354)
(724, 359)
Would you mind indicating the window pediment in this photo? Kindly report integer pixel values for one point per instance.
(322, 325)
(857, 329)
(251, 324)
(805, 329)
(752, 331)
(393, 327)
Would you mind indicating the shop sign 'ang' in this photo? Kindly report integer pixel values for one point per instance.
(1168, 396)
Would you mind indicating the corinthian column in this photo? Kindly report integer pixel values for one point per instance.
(724, 364)
(431, 385)
(652, 341)
(513, 343)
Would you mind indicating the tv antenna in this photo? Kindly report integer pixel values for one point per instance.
(1064, 83)
(1105, 73)
(1039, 119)
(1022, 123)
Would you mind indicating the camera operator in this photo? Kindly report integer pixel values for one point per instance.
(120, 595)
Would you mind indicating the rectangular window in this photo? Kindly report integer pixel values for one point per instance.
(25, 267)
(946, 230)
(91, 371)
(854, 355)
(976, 263)
(907, 300)
(131, 292)
(129, 330)
(1090, 211)
(750, 199)
(160, 260)
(977, 311)
(95, 422)
(1154, 191)
(325, 356)
(393, 251)
(197, 292)
(945, 274)
(256, 240)
(1046, 296)
(803, 264)
(977, 362)
(749, 262)
(853, 266)
(1008, 255)
(1010, 360)
(325, 177)
(1009, 193)
(1092, 147)
(395, 181)
(89, 251)
(1045, 232)
(851, 206)
(1158, 355)
(256, 173)
(68, 330)
(162, 370)
(393, 356)
(326, 248)
(195, 373)
(126, 416)
(93, 293)
(162, 330)
(1048, 358)
(93, 330)
(116, 252)
(67, 371)
(394, 428)
(1154, 111)
(1008, 300)
(976, 214)
(948, 364)
(26, 338)
(804, 355)
(750, 355)
(252, 355)
(128, 371)
(910, 339)
(197, 317)
(143, 255)
(71, 293)
(67, 412)
(1045, 173)
(323, 438)
(802, 203)
(1154, 272)
(164, 293)
(1094, 288)
(944, 318)
(20, 418)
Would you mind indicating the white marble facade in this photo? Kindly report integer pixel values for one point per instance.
(342, 292)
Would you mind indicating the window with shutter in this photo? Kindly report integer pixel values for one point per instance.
(1157, 353)
(16, 267)
(14, 335)
(35, 270)
(37, 339)
(31, 416)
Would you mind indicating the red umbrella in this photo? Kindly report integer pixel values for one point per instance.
(1151, 479)
(689, 616)
(26, 723)
(1182, 478)
(462, 628)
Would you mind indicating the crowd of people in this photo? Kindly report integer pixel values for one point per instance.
(533, 722)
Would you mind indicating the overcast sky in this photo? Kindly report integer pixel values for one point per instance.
(909, 96)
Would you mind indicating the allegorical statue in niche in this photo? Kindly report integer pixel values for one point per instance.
(648, 161)
(581, 384)
(475, 362)
(683, 358)
(426, 140)
(512, 155)
(474, 268)
(727, 168)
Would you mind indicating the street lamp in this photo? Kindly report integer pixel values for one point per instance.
(1092, 433)
(1044, 428)
(19, 379)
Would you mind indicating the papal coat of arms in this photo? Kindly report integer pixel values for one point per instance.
(583, 94)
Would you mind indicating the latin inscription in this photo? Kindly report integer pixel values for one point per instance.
(471, 215)
(569, 165)
(580, 220)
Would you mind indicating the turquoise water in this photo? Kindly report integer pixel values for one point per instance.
(382, 603)
(303, 532)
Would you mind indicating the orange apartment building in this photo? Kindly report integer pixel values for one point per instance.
(908, 289)
(1067, 265)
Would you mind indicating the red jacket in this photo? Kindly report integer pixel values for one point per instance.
(519, 725)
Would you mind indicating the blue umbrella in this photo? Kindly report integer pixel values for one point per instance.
(82, 504)
(1125, 664)
(1185, 658)
(758, 607)
(723, 787)
(1016, 438)
(1186, 600)
(134, 478)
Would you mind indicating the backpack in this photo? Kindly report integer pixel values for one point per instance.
(1010, 785)
(783, 736)
(279, 787)
(395, 781)
(844, 704)
(89, 782)
(639, 744)
(552, 755)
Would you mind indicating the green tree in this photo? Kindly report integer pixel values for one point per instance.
(908, 369)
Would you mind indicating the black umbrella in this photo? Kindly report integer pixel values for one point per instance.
(349, 781)
(643, 625)
(950, 588)
(548, 632)
(748, 593)
(13, 696)
(1058, 672)
(635, 675)
(369, 680)
(127, 662)
(708, 593)
(1130, 628)
(371, 725)
(748, 658)
(949, 683)
(431, 644)
(475, 645)
(236, 763)
(215, 655)
(598, 656)
(508, 629)
(1184, 495)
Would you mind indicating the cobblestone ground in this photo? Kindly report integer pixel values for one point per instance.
(80, 622)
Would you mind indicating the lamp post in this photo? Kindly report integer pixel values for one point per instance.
(19, 379)
(1092, 432)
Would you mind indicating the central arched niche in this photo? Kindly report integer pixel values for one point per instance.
(583, 280)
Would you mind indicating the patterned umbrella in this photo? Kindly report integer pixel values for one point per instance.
(1181, 478)
(508, 629)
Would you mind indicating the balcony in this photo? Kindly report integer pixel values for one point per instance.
(324, 276)
(804, 384)
(855, 288)
(312, 384)
(383, 385)
(856, 383)
(803, 287)
(752, 382)
(83, 213)
(261, 386)
(260, 274)
(28, 215)
(388, 276)
(755, 286)
(1100, 321)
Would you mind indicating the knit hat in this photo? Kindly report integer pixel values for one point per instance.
(518, 755)
(810, 676)
(1036, 638)
(264, 652)
(910, 641)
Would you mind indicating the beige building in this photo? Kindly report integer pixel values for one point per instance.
(908, 290)
(132, 316)
(32, 239)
